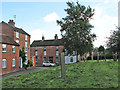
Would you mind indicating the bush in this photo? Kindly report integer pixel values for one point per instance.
(30, 63)
(25, 66)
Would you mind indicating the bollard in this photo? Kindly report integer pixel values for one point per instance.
(63, 68)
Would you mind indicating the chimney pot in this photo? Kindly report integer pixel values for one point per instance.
(56, 37)
(43, 38)
(11, 22)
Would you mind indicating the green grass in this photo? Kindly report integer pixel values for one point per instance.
(89, 74)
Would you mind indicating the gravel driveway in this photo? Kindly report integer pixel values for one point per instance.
(23, 71)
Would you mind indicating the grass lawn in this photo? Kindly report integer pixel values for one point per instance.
(89, 74)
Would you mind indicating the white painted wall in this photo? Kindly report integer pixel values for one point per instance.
(68, 59)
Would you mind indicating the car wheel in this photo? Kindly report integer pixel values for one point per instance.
(43, 65)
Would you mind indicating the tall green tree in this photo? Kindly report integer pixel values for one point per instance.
(76, 29)
(22, 55)
(114, 42)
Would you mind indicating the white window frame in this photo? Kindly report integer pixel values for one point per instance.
(17, 41)
(4, 48)
(13, 49)
(26, 37)
(25, 46)
(17, 34)
(44, 52)
(44, 59)
(36, 53)
(13, 62)
(57, 52)
(56, 60)
(57, 47)
(4, 60)
(26, 58)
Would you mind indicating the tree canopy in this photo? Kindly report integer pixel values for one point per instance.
(114, 41)
(76, 29)
(101, 49)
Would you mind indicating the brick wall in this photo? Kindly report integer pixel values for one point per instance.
(22, 43)
(9, 57)
(50, 51)
(6, 30)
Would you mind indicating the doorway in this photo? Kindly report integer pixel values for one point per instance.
(51, 59)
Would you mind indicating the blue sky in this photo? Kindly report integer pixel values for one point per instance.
(39, 17)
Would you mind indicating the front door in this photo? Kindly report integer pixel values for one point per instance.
(51, 59)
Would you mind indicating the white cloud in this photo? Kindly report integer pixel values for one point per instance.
(103, 24)
(36, 34)
(51, 17)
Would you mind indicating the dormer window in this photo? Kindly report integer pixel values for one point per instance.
(25, 37)
(17, 35)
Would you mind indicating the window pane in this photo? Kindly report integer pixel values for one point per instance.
(13, 63)
(3, 47)
(17, 35)
(25, 46)
(44, 59)
(4, 63)
(13, 49)
(44, 53)
(57, 61)
(17, 41)
(57, 53)
(35, 53)
(25, 37)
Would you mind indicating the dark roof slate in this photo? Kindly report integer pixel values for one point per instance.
(52, 42)
(7, 40)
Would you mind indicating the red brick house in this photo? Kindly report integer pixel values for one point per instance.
(17, 35)
(46, 50)
(10, 54)
(49, 50)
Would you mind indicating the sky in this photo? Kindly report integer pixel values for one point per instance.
(38, 17)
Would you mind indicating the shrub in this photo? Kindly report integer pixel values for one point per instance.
(25, 66)
(30, 63)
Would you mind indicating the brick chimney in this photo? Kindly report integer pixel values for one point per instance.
(11, 22)
(56, 37)
(43, 38)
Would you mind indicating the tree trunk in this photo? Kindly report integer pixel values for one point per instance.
(105, 57)
(98, 58)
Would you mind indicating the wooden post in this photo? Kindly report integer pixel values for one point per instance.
(63, 68)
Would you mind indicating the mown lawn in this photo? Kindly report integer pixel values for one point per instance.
(88, 74)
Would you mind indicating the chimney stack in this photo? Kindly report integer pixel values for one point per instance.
(43, 38)
(11, 22)
(56, 37)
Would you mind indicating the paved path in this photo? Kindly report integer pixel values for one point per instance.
(23, 71)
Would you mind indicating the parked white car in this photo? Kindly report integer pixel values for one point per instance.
(47, 63)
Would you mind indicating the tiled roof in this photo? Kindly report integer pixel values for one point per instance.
(7, 40)
(52, 42)
(17, 29)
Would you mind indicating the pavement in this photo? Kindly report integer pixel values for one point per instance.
(22, 71)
